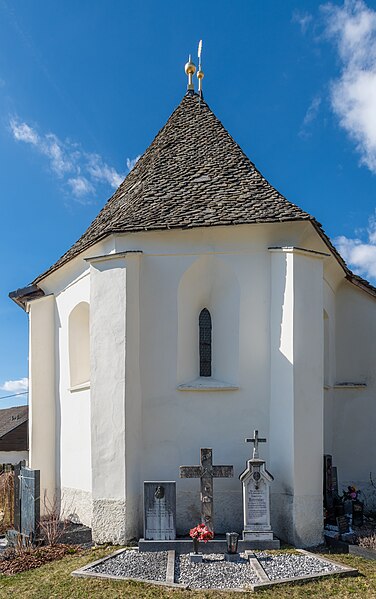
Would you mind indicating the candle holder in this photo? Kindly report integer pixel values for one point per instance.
(232, 539)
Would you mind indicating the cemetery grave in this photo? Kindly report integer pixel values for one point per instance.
(251, 571)
(219, 562)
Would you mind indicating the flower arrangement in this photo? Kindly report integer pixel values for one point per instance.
(201, 533)
(351, 494)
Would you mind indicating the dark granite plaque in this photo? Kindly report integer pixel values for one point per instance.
(30, 501)
(159, 510)
(334, 481)
(357, 513)
(328, 482)
(343, 524)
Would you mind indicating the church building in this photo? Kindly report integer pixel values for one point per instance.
(199, 305)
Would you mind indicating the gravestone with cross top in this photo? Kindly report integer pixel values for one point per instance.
(256, 482)
(255, 440)
(206, 471)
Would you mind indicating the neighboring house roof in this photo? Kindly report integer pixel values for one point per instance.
(11, 418)
(192, 175)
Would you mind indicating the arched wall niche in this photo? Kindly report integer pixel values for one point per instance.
(209, 283)
(79, 345)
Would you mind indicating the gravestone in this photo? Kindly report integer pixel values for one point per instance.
(159, 510)
(206, 472)
(343, 525)
(334, 481)
(30, 501)
(26, 504)
(256, 482)
(328, 490)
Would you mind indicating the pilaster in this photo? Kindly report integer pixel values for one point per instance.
(296, 394)
(42, 394)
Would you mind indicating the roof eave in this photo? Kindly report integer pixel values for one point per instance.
(25, 294)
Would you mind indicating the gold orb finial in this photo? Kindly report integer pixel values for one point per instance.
(190, 67)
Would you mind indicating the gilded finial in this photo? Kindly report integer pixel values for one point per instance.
(200, 72)
(190, 69)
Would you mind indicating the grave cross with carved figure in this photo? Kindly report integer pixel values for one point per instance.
(206, 472)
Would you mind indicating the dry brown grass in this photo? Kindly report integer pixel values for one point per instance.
(6, 501)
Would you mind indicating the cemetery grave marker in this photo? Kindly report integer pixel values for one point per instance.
(159, 510)
(206, 472)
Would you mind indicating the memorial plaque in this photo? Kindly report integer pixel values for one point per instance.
(159, 510)
(328, 482)
(343, 524)
(334, 481)
(258, 504)
(357, 513)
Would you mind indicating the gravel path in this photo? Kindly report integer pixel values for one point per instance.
(214, 572)
(132, 564)
(288, 565)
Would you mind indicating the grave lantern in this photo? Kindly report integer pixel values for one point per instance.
(232, 542)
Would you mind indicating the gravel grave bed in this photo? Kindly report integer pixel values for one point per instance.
(132, 564)
(289, 565)
(214, 572)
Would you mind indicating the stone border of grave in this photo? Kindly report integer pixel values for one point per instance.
(341, 572)
(265, 583)
(86, 573)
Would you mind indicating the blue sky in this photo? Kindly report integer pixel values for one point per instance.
(85, 86)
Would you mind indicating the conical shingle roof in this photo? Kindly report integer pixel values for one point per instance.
(192, 175)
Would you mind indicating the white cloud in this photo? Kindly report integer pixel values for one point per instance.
(352, 28)
(17, 386)
(132, 161)
(80, 186)
(360, 254)
(102, 172)
(22, 132)
(80, 171)
(303, 19)
(310, 115)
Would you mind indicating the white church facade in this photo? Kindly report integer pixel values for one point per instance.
(199, 305)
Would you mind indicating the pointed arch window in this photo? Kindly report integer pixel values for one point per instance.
(205, 342)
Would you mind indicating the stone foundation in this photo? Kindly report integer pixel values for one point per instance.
(108, 523)
(77, 505)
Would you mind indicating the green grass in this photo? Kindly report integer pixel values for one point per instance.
(53, 581)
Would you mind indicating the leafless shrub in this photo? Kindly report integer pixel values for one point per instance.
(6, 500)
(52, 525)
(368, 542)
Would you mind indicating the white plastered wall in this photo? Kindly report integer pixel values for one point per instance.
(73, 416)
(180, 273)
(354, 409)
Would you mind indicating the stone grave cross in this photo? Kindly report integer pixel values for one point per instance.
(256, 440)
(206, 472)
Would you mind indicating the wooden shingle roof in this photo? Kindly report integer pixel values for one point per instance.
(192, 175)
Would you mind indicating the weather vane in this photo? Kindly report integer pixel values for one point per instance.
(200, 72)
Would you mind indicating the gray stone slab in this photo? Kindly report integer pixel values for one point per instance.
(362, 552)
(30, 501)
(159, 510)
(214, 546)
(170, 570)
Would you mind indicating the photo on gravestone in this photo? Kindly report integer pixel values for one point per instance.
(159, 510)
